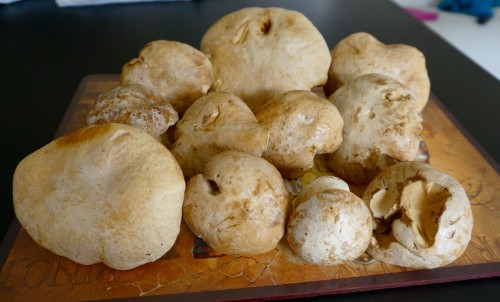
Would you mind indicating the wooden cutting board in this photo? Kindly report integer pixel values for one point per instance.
(31, 273)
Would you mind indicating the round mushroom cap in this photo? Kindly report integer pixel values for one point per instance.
(134, 105)
(238, 205)
(109, 193)
(381, 127)
(258, 53)
(215, 123)
(361, 53)
(178, 71)
(320, 184)
(422, 216)
(329, 225)
(302, 124)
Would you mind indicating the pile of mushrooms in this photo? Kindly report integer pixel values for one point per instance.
(241, 116)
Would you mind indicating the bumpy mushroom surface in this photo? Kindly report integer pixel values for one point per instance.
(361, 53)
(178, 71)
(238, 205)
(301, 124)
(109, 193)
(422, 216)
(214, 123)
(134, 105)
(381, 127)
(258, 53)
(329, 224)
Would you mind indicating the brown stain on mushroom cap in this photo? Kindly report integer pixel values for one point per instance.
(82, 135)
(98, 198)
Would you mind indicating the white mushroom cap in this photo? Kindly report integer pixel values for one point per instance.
(329, 225)
(215, 123)
(109, 193)
(423, 217)
(320, 184)
(238, 205)
(381, 127)
(361, 53)
(258, 53)
(302, 124)
(178, 71)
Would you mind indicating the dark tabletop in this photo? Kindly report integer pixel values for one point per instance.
(45, 51)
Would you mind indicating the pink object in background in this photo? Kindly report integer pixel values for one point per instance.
(422, 15)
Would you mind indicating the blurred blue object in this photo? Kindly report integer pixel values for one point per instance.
(482, 9)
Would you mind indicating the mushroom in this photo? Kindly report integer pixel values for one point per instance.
(329, 224)
(422, 216)
(302, 124)
(361, 53)
(238, 205)
(134, 105)
(178, 71)
(258, 53)
(382, 126)
(108, 193)
(214, 123)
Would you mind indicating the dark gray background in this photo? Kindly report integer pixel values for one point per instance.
(45, 51)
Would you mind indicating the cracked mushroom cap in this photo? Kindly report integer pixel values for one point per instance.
(382, 126)
(302, 124)
(178, 71)
(134, 105)
(258, 53)
(215, 123)
(329, 224)
(422, 216)
(361, 53)
(109, 193)
(238, 205)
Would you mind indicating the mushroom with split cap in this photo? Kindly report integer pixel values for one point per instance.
(422, 216)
